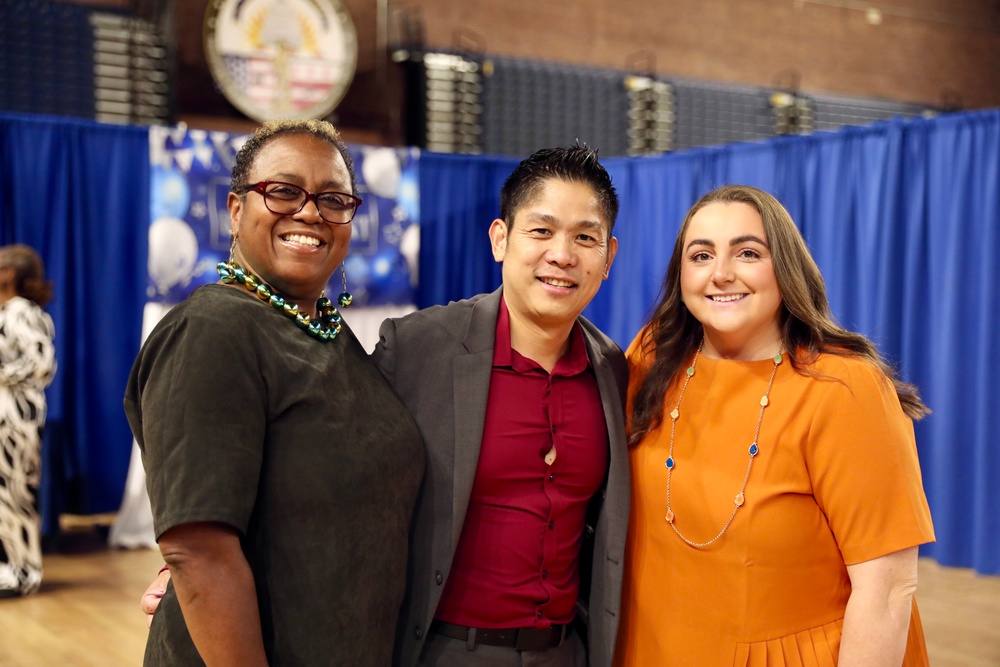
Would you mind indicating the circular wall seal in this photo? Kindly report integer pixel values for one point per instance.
(281, 58)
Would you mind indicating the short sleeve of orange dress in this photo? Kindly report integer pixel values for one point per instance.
(835, 481)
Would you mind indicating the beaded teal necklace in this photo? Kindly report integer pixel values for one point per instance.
(325, 327)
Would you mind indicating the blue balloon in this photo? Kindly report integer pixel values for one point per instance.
(390, 279)
(170, 194)
(409, 192)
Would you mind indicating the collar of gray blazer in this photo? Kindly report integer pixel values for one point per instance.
(481, 330)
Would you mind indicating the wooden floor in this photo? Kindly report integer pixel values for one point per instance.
(87, 613)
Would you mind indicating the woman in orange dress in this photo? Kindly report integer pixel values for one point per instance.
(777, 504)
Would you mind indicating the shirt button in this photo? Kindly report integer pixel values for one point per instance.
(552, 476)
(552, 524)
(418, 632)
(539, 614)
(439, 578)
(545, 574)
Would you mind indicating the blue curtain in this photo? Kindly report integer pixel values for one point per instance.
(462, 194)
(903, 218)
(78, 192)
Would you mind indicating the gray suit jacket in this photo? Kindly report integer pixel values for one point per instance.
(439, 361)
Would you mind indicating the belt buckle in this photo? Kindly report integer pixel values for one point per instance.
(534, 639)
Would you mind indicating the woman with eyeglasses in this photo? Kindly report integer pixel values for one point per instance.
(281, 468)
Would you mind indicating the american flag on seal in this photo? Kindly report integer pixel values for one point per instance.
(255, 76)
(309, 80)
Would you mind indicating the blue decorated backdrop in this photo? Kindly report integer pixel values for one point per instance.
(189, 232)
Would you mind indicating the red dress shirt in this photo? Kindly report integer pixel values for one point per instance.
(517, 562)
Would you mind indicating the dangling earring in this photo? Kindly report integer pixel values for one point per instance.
(345, 299)
(232, 246)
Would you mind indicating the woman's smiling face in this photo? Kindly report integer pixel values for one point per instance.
(296, 254)
(728, 282)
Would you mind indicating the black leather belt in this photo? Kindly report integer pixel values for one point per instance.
(522, 639)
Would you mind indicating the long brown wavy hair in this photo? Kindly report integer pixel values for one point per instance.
(807, 325)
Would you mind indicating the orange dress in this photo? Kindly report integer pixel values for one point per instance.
(836, 481)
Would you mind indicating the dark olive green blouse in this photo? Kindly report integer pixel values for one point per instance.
(302, 447)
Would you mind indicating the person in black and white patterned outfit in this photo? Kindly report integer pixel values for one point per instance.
(27, 364)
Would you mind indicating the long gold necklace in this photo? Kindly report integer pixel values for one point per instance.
(752, 451)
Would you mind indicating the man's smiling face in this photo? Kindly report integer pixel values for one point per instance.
(555, 254)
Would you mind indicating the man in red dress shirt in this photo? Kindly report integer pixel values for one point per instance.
(524, 504)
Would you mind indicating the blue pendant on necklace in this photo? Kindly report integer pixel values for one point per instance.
(670, 463)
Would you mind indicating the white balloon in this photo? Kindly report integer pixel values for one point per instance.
(409, 247)
(173, 251)
(380, 170)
